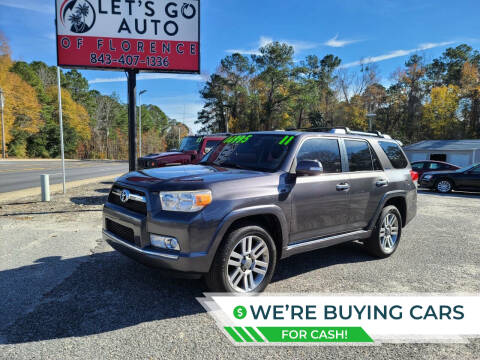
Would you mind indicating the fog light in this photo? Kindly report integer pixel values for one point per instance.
(164, 242)
(172, 243)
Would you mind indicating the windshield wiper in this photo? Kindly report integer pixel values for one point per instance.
(231, 165)
(226, 164)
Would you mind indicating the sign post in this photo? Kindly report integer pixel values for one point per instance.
(2, 102)
(132, 129)
(132, 36)
(60, 120)
(140, 122)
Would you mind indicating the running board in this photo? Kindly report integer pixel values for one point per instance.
(303, 246)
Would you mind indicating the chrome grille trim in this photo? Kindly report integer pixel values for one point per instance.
(133, 197)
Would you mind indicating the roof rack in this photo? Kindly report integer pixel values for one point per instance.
(216, 134)
(344, 130)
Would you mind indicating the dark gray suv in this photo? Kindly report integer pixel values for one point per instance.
(260, 197)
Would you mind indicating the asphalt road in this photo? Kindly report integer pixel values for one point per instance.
(19, 175)
(66, 294)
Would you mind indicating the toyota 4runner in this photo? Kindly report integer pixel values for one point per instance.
(260, 197)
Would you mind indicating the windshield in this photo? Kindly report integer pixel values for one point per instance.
(467, 167)
(190, 143)
(261, 152)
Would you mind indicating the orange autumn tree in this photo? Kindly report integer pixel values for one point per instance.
(74, 114)
(22, 109)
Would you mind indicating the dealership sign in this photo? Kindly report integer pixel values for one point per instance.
(149, 35)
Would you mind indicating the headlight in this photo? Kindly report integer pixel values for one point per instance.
(187, 201)
(427, 177)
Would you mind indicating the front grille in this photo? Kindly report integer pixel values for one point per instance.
(143, 163)
(123, 232)
(146, 163)
(133, 205)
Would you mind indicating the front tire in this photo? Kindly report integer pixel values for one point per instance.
(386, 235)
(444, 186)
(244, 263)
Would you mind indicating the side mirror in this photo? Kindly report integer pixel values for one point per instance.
(309, 168)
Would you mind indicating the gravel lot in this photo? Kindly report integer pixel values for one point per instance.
(66, 294)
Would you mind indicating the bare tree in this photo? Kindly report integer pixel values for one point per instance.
(353, 83)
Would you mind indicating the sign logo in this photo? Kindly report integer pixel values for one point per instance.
(79, 15)
(188, 11)
(125, 196)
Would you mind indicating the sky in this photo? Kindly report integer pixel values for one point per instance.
(385, 32)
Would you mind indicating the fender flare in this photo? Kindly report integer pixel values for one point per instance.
(238, 214)
(387, 196)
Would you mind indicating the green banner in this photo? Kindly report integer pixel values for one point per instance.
(314, 334)
(280, 334)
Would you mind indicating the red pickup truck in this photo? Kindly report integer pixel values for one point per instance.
(192, 149)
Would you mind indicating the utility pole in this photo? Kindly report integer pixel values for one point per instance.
(60, 118)
(370, 117)
(226, 124)
(140, 122)
(2, 104)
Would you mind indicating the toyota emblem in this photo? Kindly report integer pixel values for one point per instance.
(125, 196)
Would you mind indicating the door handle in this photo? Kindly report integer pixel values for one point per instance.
(381, 182)
(343, 187)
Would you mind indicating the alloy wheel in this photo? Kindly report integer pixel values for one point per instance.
(389, 233)
(444, 186)
(248, 264)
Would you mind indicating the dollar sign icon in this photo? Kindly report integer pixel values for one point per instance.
(240, 312)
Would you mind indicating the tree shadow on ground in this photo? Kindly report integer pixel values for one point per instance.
(89, 200)
(351, 252)
(108, 291)
(103, 190)
(50, 212)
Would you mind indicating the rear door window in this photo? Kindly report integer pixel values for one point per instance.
(418, 166)
(359, 156)
(394, 154)
(324, 150)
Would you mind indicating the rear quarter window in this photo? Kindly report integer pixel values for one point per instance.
(394, 154)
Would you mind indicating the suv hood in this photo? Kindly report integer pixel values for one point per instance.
(163, 154)
(185, 177)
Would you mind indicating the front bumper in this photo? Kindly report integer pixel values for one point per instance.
(138, 245)
(184, 266)
(427, 183)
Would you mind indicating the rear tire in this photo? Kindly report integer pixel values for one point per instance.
(387, 233)
(444, 186)
(245, 262)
